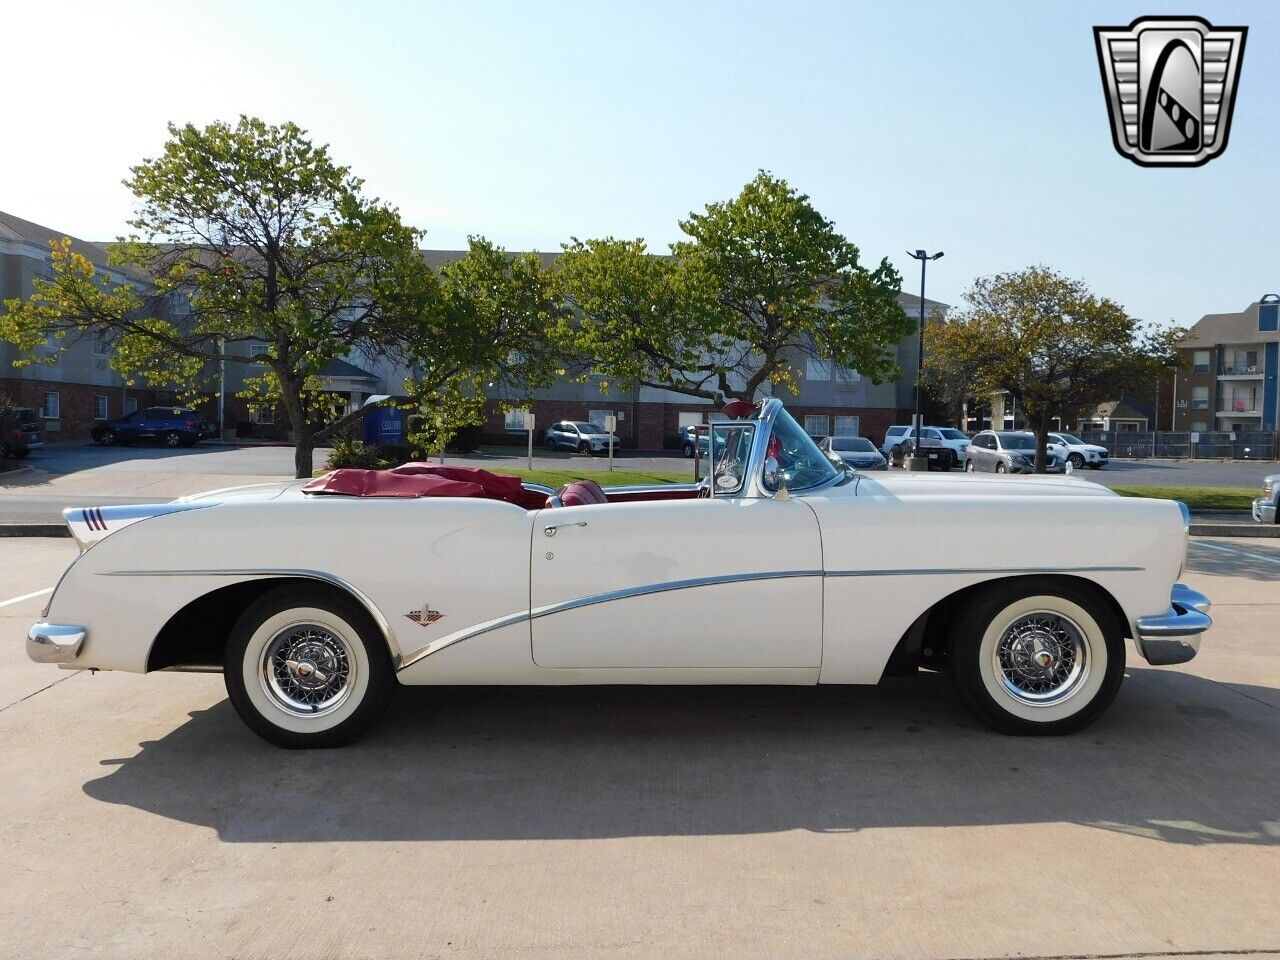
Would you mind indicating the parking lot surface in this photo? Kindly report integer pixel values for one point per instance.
(140, 818)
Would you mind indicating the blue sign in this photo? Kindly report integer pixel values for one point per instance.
(384, 425)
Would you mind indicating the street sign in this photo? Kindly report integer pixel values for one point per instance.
(611, 424)
(528, 419)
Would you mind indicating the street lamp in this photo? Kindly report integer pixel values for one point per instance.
(918, 461)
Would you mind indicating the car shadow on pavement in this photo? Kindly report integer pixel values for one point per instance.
(1177, 758)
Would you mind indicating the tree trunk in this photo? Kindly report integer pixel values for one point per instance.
(1041, 426)
(304, 436)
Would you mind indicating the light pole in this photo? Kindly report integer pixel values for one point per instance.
(917, 460)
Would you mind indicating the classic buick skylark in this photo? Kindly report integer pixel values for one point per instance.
(316, 598)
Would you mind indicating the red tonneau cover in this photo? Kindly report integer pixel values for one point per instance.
(426, 480)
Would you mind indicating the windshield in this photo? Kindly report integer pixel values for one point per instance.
(1069, 438)
(950, 434)
(800, 461)
(1017, 441)
(852, 444)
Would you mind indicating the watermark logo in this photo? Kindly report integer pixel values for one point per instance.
(1170, 84)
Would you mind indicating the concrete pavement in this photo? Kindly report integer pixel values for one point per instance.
(140, 818)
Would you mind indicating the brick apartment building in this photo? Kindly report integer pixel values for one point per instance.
(1229, 381)
(80, 389)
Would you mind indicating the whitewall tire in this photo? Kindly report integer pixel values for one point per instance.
(1036, 658)
(307, 668)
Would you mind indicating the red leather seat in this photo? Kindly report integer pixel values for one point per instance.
(580, 493)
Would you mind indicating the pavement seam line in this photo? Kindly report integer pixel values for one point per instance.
(1228, 686)
(36, 692)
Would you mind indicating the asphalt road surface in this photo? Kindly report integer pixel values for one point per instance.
(66, 475)
(140, 818)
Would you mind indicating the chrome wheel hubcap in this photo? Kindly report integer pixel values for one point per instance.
(308, 669)
(1042, 658)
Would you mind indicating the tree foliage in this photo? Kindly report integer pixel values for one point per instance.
(763, 282)
(267, 239)
(1049, 342)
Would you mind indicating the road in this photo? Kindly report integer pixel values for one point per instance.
(141, 819)
(66, 475)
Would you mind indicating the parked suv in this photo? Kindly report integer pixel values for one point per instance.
(19, 433)
(172, 426)
(1004, 451)
(1078, 453)
(579, 435)
(953, 443)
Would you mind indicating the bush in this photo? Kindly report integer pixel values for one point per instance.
(354, 453)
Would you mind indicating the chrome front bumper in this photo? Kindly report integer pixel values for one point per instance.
(54, 642)
(1264, 510)
(1174, 636)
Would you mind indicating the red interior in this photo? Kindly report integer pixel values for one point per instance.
(435, 480)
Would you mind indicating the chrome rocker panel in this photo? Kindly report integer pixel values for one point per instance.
(1174, 636)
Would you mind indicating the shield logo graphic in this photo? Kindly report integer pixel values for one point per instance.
(1170, 84)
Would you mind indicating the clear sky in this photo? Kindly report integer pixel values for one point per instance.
(975, 128)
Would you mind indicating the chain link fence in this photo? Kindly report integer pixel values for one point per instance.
(1134, 444)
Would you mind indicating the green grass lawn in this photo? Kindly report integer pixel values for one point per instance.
(617, 478)
(1197, 498)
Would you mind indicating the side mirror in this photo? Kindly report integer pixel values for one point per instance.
(775, 479)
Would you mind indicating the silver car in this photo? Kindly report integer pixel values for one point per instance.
(1004, 451)
(579, 435)
(1264, 508)
(857, 452)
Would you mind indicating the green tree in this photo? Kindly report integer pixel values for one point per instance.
(491, 338)
(763, 282)
(1058, 349)
(268, 240)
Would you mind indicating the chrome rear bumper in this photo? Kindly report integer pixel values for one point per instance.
(54, 642)
(1174, 636)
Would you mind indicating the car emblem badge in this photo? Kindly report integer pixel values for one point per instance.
(426, 616)
(1170, 84)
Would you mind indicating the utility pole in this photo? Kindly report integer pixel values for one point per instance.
(917, 460)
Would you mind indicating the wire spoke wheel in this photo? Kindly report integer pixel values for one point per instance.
(307, 669)
(1042, 658)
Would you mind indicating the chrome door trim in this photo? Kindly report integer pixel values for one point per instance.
(383, 624)
(943, 571)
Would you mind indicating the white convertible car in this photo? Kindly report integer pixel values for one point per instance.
(316, 598)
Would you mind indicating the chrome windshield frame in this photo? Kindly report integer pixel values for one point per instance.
(753, 486)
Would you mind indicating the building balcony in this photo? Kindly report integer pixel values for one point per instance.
(1240, 372)
(1239, 409)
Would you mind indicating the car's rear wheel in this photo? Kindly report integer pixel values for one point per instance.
(306, 668)
(584, 447)
(1034, 659)
(107, 438)
(687, 450)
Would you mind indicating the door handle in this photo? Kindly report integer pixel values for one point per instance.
(550, 529)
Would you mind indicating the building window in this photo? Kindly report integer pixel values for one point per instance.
(816, 369)
(51, 409)
(1199, 426)
(1200, 361)
(1200, 398)
(256, 352)
(847, 426)
(817, 424)
(514, 421)
(598, 417)
(689, 419)
(100, 407)
(263, 415)
(101, 346)
(130, 405)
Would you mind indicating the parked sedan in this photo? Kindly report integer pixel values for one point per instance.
(172, 426)
(317, 599)
(19, 433)
(1004, 451)
(579, 435)
(857, 452)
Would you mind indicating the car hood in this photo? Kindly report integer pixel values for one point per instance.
(978, 485)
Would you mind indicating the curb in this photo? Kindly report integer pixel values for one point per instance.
(1270, 530)
(34, 530)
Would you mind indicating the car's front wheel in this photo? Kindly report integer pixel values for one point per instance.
(173, 439)
(968, 466)
(1001, 468)
(1030, 658)
(1076, 460)
(306, 668)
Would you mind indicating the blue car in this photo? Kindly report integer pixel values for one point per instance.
(172, 426)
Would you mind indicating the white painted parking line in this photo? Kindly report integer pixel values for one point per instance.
(1238, 552)
(26, 596)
